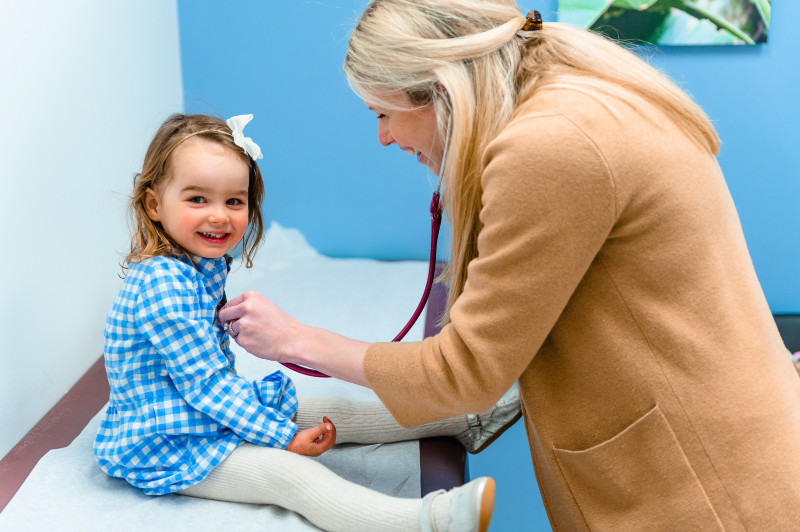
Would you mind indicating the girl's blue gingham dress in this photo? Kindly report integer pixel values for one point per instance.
(177, 407)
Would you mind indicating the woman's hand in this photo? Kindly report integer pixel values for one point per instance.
(314, 441)
(264, 330)
(260, 326)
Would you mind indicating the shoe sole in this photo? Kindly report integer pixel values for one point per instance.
(497, 434)
(487, 505)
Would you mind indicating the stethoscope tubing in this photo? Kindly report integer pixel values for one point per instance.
(436, 224)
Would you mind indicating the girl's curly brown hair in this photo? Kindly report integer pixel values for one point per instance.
(148, 237)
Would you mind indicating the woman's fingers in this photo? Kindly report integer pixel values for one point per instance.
(233, 309)
(251, 303)
(236, 300)
(260, 327)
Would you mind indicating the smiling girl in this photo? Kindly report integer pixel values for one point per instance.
(179, 418)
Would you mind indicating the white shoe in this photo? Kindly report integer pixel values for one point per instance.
(487, 427)
(469, 508)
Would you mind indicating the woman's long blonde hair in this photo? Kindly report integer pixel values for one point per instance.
(470, 60)
(148, 238)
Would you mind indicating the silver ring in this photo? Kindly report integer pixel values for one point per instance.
(228, 327)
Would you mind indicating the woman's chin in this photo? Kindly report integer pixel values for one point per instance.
(421, 159)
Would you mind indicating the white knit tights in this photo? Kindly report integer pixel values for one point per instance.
(264, 475)
(368, 422)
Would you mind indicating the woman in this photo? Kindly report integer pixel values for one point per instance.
(597, 258)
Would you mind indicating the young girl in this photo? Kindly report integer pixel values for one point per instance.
(180, 420)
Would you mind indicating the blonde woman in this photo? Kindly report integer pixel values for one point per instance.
(597, 258)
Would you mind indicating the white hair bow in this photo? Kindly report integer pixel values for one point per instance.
(237, 123)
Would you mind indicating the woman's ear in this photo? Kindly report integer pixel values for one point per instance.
(151, 205)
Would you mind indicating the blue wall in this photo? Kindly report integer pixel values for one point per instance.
(325, 172)
(328, 176)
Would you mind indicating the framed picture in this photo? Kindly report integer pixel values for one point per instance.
(672, 22)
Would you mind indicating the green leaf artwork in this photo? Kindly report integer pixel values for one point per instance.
(672, 22)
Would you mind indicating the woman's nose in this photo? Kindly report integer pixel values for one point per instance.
(384, 135)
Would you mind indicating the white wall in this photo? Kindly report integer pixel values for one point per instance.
(83, 86)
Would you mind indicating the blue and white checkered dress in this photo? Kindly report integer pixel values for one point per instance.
(177, 407)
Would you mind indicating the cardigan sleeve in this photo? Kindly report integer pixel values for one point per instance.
(548, 204)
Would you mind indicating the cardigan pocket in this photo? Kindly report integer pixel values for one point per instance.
(639, 479)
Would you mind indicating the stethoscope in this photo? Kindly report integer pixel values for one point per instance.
(436, 223)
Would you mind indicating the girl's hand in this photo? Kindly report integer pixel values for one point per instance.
(314, 441)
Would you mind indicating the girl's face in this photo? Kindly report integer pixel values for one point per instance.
(414, 132)
(203, 205)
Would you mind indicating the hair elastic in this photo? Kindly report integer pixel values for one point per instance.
(533, 21)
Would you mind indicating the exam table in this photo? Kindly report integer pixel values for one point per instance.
(441, 460)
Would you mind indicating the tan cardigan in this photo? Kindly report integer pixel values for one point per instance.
(614, 283)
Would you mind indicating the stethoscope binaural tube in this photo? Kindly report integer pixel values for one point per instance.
(436, 223)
